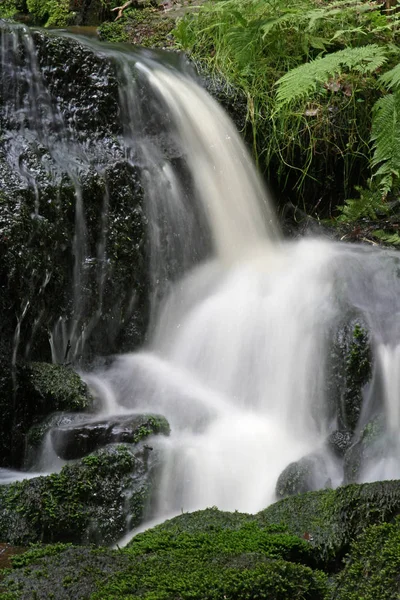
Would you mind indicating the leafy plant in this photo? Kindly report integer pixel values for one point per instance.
(311, 74)
(303, 80)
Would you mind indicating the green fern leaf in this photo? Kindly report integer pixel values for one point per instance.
(392, 239)
(303, 80)
(385, 138)
(369, 205)
(391, 79)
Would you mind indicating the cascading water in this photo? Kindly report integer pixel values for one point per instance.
(241, 323)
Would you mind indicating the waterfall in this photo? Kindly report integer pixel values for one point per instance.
(241, 321)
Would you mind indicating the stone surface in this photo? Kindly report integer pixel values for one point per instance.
(76, 440)
(95, 500)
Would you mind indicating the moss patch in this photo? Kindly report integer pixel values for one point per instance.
(334, 518)
(88, 501)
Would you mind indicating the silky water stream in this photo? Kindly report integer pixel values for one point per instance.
(241, 320)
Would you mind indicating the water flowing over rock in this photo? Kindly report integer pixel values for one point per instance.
(131, 211)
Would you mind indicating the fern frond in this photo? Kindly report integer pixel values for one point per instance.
(391, 79)
(367, 206)
(385, 138)
(303, 80)
(392, 239)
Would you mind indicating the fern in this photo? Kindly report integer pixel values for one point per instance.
(303, 80)
(385, 138)
(392, 239)
(391, 79)
(367, 206)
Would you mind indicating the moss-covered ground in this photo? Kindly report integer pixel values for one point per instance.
(331, 545)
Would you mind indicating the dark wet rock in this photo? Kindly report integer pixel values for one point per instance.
(339, 441)
(349, 372)
(72, 228)
(88, 501)
(309, 473)
(89, 12)
(372, 446)
(74, 441)
(35, 390)
(35, 439)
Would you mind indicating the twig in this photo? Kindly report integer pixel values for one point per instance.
(121, 9)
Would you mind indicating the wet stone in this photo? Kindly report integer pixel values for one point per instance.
(77, 440)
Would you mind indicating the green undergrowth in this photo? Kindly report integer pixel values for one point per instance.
(372, 567)
(318, 79)
(293, 550)
(146, 26)
(204, 555)
(334, 518)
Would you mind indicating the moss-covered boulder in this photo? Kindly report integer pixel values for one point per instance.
(34, 391)
(71, 441)
(350, 370)
(207, 555)
(334, 518)
(92, 500)
(307, 474)
(372, 566)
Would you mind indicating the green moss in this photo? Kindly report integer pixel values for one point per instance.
(57, 387)
(205, 555)
(86, 501)
(50, 13)
(113, 32)
(349, 370)
(372, 566)
(143, 27)
(334, 518)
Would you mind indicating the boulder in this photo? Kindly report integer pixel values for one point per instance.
(95, 500)
(73, 441)
(339, 442)
(179, 560)
(311, 472)
(349, 372)
(372, 566)
(34, 391)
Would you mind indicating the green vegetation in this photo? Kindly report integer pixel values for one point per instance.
(88, 501)
(292, 550)
(50, 13)
(372, 567)
(334, 518)
(146, 27)
(318, 77)
(204, 555)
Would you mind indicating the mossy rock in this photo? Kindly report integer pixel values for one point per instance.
(208, 555)
(305, 475)
(88, 501)
(349, 371)
(334, 518)
(37, 247)
(372, 446)
(34, 391)
(372, 566)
